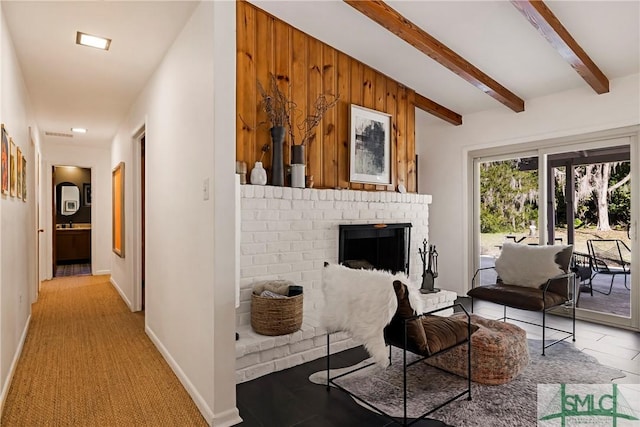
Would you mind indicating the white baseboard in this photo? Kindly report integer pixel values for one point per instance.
(101, 272)
(204, 409)
(122, 295)
(14, 364)
(227, 418)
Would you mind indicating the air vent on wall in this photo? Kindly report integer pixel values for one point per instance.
(63, 135)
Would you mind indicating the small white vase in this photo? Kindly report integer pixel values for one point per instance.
(258, 174)
(297, 176)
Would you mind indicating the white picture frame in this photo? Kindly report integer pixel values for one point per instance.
(369, 146)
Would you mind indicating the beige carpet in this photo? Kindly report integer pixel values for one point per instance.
(88, 362)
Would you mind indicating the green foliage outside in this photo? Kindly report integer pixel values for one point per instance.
(509, 198)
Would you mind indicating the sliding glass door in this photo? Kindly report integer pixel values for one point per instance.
(570, 193)
(591, 209)
(508, 206)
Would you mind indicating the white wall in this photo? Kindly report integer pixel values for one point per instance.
(443, 154)
(98, 160)
(17, 219)
(190, 137)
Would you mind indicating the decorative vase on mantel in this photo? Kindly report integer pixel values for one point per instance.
(297, 166)
(258, 175)
(277, 161)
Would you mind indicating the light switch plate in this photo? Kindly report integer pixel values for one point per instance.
(205, 189)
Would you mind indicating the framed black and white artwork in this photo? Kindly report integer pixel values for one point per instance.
(370, 146)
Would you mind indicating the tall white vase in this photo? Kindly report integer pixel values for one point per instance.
(297, 175)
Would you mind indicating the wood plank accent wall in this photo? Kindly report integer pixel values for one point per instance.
(267, 45)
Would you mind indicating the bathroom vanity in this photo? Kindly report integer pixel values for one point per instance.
(73, 245)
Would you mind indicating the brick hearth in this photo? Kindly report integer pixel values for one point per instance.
(288, 233)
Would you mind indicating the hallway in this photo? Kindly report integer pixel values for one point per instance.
(87, 361)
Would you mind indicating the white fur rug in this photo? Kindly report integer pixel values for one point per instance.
(362, 302)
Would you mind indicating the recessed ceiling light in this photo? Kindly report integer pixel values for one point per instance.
(92, 41)
(79, 130)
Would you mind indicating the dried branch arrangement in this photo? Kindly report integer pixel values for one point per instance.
(281, 110)
(306, 127)
(276, 104)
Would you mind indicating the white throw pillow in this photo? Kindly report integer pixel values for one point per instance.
(526, 265)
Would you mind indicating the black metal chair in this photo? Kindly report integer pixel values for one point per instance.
(582, 267)
(557, 291)
(611, 257)
(400, 333)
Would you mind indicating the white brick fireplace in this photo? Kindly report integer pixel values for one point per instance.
(288, 233)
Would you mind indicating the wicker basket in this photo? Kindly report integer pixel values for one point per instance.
(276, 316)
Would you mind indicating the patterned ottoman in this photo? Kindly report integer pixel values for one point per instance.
(499, 352)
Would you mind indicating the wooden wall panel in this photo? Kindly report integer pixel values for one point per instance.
(357, 97)
(314, 83)
(344, 90)
(245, 84)
(299, 83)
(328, 131)
(401, 136)
(305, 68)
(411, 145)
(263, 65)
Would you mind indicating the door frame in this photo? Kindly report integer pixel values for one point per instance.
(137, 215)
(621, 136)
(48, 213)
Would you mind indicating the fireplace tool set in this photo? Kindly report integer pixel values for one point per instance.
(429, 257)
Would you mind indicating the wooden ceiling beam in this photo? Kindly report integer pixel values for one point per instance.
(437, 110)
(393, 21)
(547, 24)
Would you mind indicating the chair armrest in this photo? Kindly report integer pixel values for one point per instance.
(417, 316)
(571, 281)
(473, 280)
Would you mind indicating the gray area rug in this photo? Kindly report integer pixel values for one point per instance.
(508, 405)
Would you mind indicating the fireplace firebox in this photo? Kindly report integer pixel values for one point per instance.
(384, 246)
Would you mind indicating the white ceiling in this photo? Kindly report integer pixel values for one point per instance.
(492, 35)
(73, 86)
(76, 86)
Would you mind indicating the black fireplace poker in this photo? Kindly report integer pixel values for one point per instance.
(429, 267)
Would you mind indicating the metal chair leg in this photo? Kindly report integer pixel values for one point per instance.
(328, 362)
(544, 327)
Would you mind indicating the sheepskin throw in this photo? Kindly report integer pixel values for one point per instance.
(363, 302)
(530, 266)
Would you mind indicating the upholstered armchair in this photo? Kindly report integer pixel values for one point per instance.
(533, 278)
(379, 308)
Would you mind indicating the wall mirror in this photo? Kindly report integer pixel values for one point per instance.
(68, 198)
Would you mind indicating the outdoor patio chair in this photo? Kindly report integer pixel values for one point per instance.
(612, 257)
(582, 267)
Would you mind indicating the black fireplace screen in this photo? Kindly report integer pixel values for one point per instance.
(384, 246)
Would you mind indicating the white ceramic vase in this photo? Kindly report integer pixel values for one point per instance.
(258, 174)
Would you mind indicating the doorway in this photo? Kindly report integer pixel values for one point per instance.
(71, 216)
(138, 148)
(577, 193)
(592, 211)
(142, 222)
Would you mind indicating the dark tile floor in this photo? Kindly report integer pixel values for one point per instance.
(65, 270)
(287, 399)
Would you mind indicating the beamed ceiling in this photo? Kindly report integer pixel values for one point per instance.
(460, 57)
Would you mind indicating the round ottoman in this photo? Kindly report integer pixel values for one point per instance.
(499, 352)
